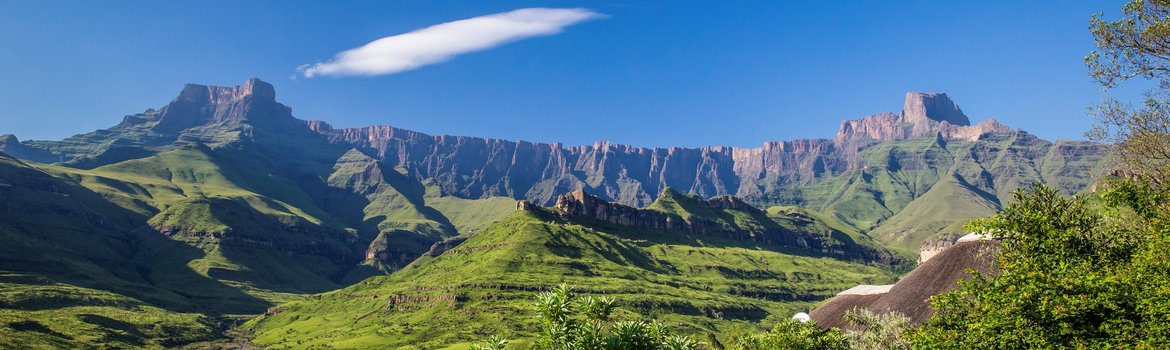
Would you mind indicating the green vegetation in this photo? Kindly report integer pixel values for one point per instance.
(37, 313)
(1075, 276)
(203, 231)
(165, 230)
(791, 334)
(571, 323)
(1080, 273)
(690, 284)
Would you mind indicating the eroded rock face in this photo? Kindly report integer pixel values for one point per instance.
(731, 202)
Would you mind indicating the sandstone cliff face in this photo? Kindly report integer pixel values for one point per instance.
(199, 105)
(921, 107)
(479, 167)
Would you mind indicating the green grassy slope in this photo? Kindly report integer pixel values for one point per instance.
(485, 285)
(216, 230)
(789, 226)
(261, 235)
(68, 274)
(982, 177)
(39, 313)
(942, 210)
(469, 215)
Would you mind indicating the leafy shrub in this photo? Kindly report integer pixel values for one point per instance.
(792, 334)
(872, 331)
(571, 323)
(1070, 276)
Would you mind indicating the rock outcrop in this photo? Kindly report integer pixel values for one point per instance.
(580, 204)
(925, 107)
(711, 217)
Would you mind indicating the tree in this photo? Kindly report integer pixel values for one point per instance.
(1135, 46)
(1070, 276)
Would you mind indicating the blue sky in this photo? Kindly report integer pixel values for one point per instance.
(671, 73)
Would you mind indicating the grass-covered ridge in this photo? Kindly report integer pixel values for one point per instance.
(485, 285)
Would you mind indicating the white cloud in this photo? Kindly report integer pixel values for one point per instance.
(441, 42)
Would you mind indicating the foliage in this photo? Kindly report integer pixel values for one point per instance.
(570, 323)
(494, 343)
(791, 334)
(1135, 47)
(1140, 137)
(1070, 277)
(873, 331)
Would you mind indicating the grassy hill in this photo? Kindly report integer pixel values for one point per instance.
(694, 283)
(196, 233)
(69, 277)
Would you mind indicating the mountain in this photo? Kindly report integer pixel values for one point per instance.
(222, 203)
(869, 172)
(694, 264)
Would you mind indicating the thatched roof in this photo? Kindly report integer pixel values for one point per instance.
(909, 296)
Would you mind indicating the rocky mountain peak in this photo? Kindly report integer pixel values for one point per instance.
(924, 114)
(254, 100)
(254, 87)
(921, 107)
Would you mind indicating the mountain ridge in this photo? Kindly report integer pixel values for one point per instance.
(835, 176)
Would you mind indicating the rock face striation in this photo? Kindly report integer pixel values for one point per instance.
(478, 167)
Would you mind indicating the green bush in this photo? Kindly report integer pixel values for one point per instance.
(571, 323)
(792, 334)
(1071, 276)
(872, 331)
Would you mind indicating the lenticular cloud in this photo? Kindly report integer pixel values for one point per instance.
(441, 42)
